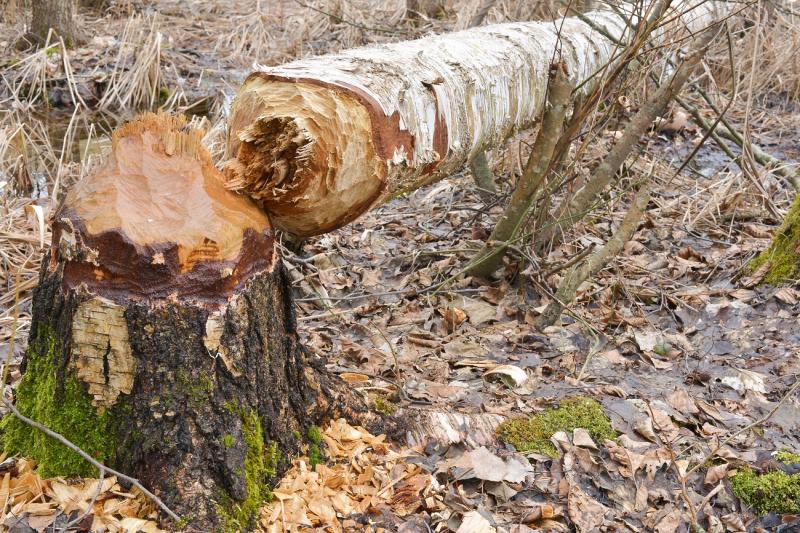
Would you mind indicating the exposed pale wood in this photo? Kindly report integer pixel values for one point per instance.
(304, 151)
(101, 351)
(160, 205)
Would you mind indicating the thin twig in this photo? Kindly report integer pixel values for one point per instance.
(350, 22)
(748, 427)
(91, 460)
(571, 262)
(101, 474)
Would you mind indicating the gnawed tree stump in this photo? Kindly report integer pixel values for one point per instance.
(163, 340)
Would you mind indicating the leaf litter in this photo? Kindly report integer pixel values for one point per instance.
(84, 504)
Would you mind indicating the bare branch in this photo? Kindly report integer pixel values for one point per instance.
(88, 458)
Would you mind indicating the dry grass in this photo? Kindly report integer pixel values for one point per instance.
(35, 169)
(767, 33)
(136, 80)
(20, 248)
(26, 81)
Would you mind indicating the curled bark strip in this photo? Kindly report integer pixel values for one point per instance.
(319, 141)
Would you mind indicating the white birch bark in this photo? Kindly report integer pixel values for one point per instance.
(321, 140)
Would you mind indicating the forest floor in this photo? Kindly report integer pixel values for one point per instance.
(694, 362)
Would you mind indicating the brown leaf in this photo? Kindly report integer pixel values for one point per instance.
(474, 522)
(751, 281)
(680, 400)
(670, 522)
(585, 512)
(787, 295)
(453, 317)
(407, 497)
(478, 311)
(716, 473)
(580, 437)
(734, 523)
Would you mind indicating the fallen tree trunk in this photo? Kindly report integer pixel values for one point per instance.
(319, 141)
(163, 339)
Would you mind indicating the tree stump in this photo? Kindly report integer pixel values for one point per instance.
(163, 340)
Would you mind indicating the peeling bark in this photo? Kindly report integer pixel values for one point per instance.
(451, 428)
(163, 340)
(319, 141)
(101, 352)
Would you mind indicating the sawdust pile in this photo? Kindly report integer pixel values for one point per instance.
(59, 504)
(362, 476)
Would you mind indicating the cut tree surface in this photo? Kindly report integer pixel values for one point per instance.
(319, 141)
(163, 338)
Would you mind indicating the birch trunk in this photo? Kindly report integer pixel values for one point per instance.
(319, 141)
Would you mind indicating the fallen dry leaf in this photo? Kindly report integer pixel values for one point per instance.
(585, 512)
(474, 522)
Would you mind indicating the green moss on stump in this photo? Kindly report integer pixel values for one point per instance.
(63, 406)
(260, 465)
(196, 389)
(784, 252)
(776, 492)
(533, 434)
(315, 456)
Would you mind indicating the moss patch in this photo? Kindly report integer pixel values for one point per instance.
(384, 406)
(533, 434)
(776, 492)
(228, 441)
(196, 389)
(788, 458)
(260, 465)
(315, 456)
(784, 252)
(62, 405)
